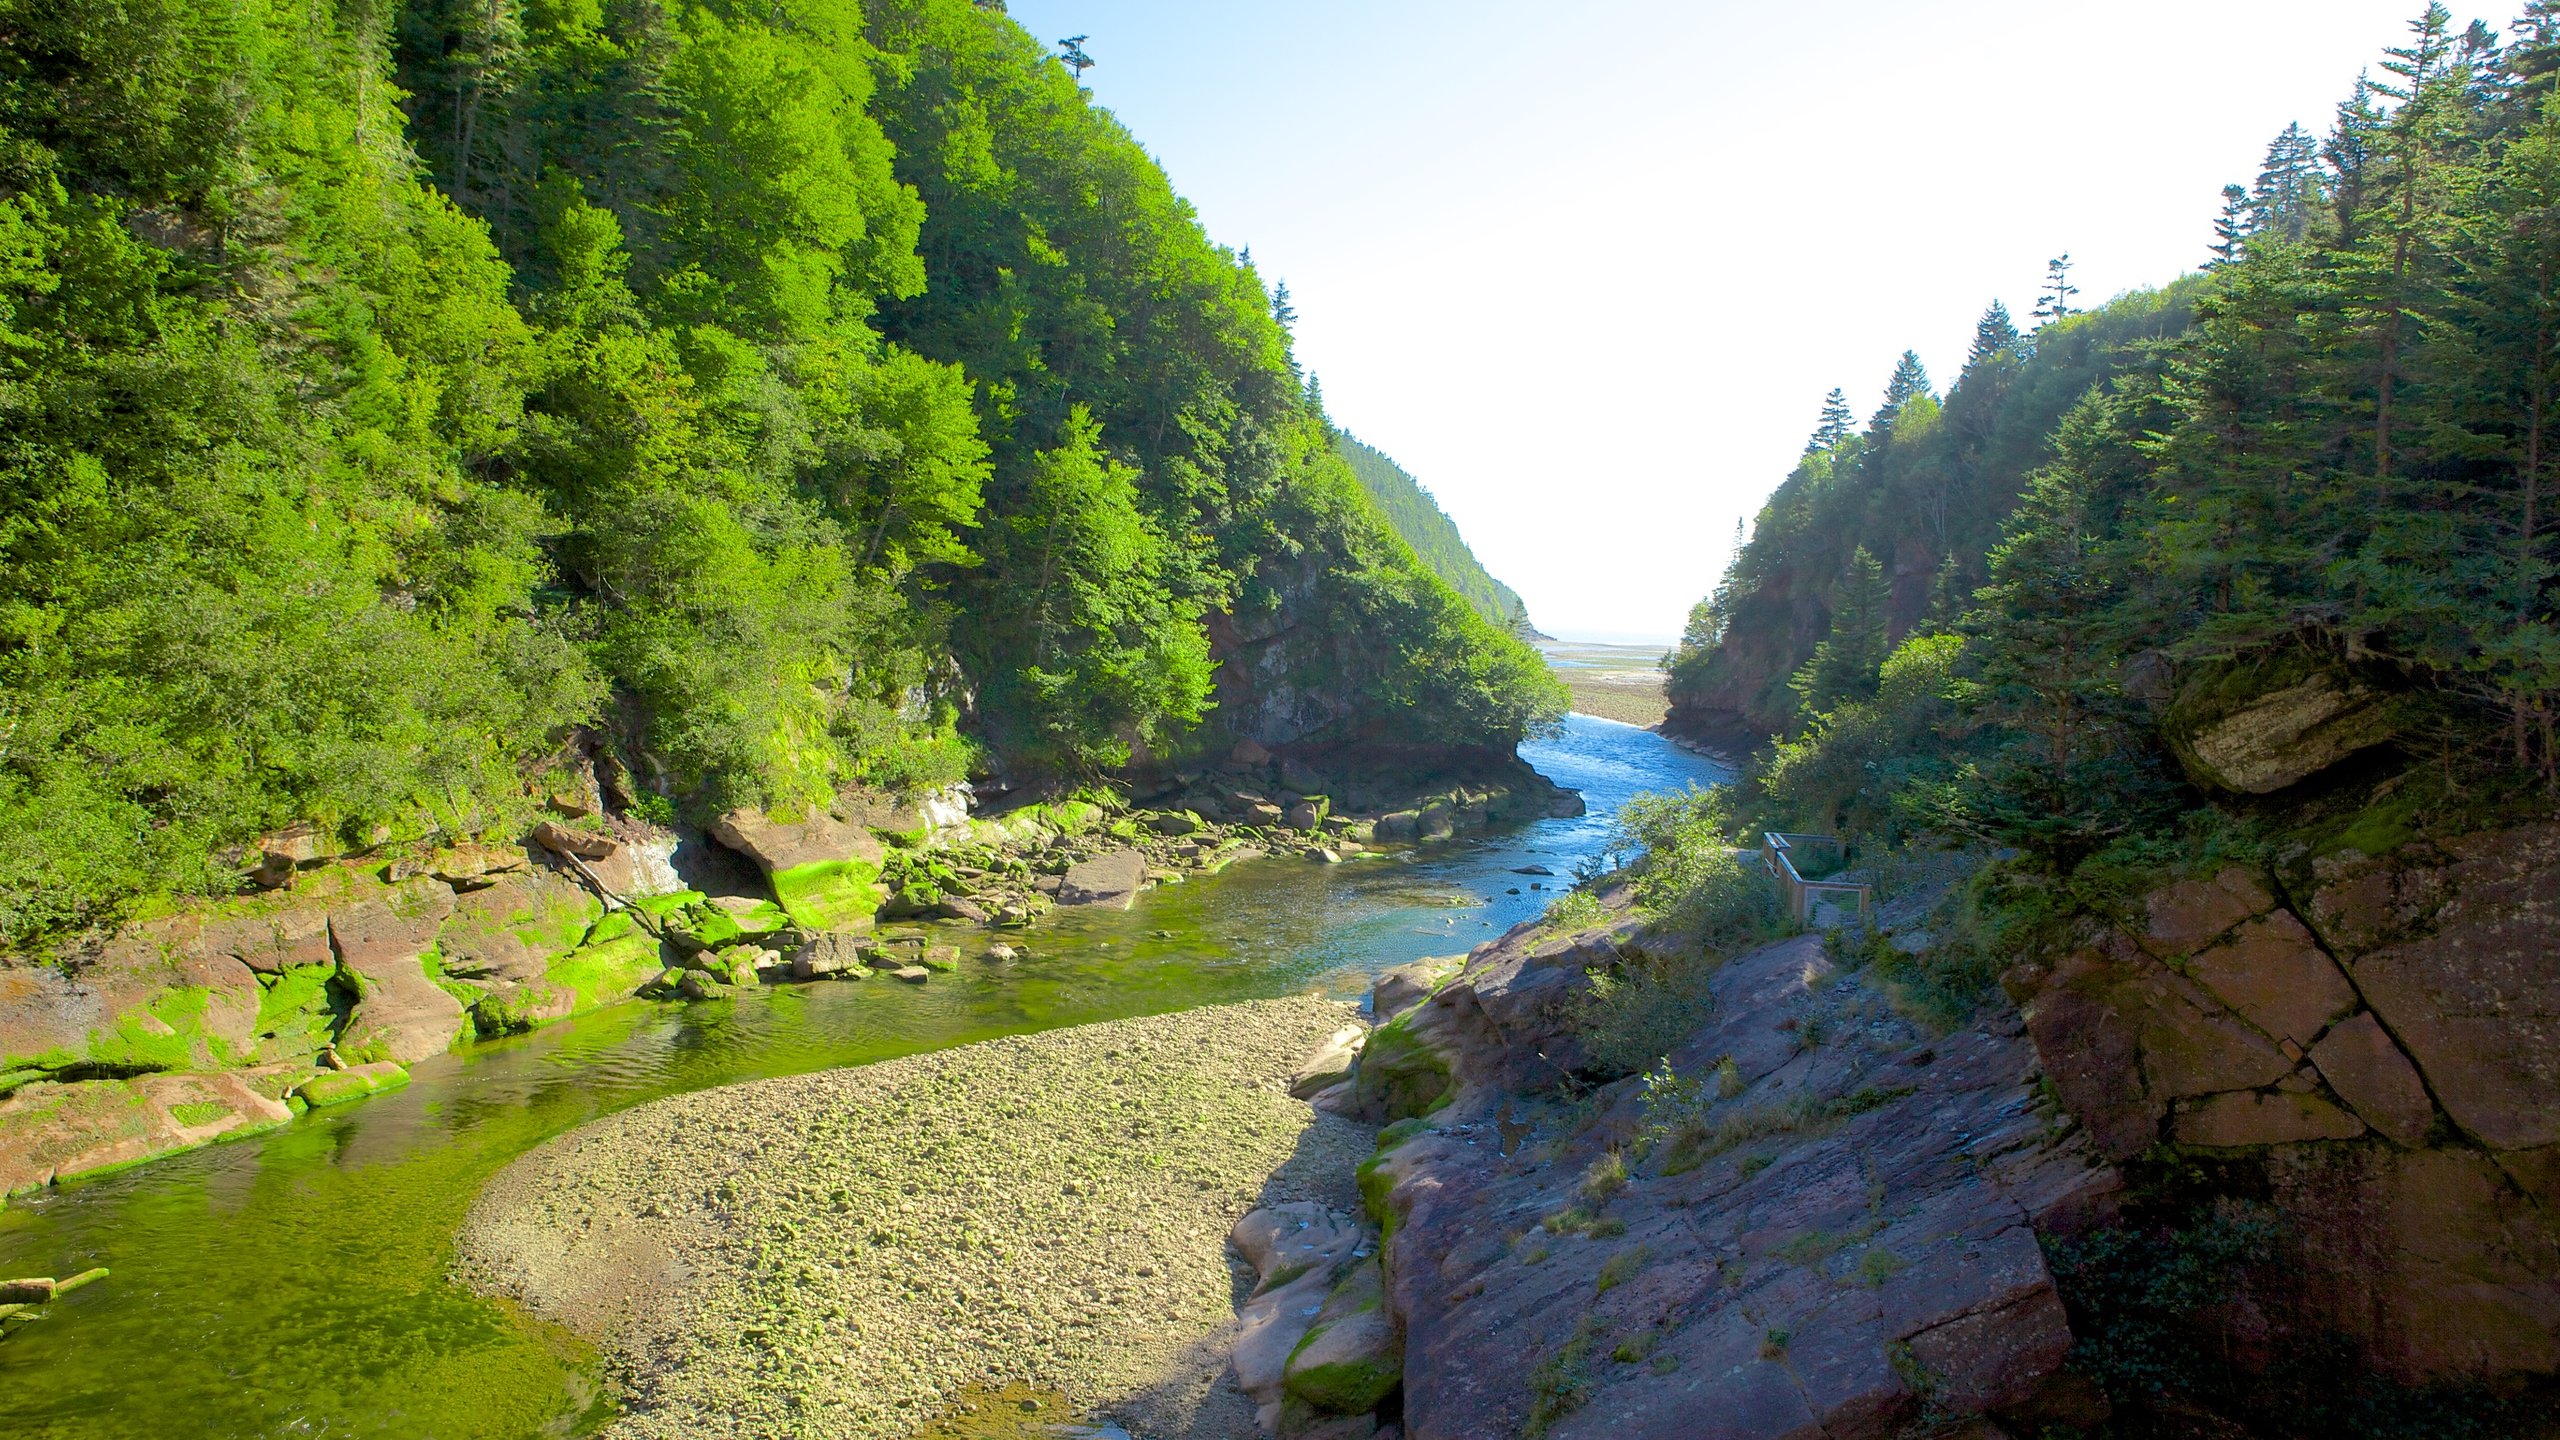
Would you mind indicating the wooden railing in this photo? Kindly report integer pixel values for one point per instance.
(1778, 851)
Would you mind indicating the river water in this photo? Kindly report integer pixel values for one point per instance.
(294, 1284)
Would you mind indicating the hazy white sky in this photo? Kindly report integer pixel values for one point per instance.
(1588, 270)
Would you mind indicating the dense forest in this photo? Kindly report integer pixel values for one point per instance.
(1433, 535)
(794, 394)
(2316, 469)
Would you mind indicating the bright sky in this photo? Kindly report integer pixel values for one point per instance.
(1588, 270)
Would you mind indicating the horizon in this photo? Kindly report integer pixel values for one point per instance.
(1403, 193)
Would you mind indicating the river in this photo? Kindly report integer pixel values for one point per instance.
(294, 1284)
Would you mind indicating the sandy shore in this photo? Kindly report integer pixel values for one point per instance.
(836, 1255)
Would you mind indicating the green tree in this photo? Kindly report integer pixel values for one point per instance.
(1843, 666)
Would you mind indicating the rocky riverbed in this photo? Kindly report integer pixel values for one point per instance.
(841, 1254)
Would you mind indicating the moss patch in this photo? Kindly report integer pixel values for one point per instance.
(830, 894)
(1401, 1076)
(341, 1086)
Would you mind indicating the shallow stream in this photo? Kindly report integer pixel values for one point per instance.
(294, 1284)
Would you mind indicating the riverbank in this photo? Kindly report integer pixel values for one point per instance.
(1624, 683)
(838, 1255)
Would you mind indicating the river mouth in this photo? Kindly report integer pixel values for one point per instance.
(295, 1284)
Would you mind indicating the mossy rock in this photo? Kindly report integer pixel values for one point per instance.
(618, 958)
(2258, 727)
(829, 894)
(1349, 1361)
(299, 1010)
(340, 1087)
(1401, 1075)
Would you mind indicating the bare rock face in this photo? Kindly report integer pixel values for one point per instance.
(1839, 1218)
(1110, 880)
(2259, 743)
(2458, 951)
(2387, 1058)
(780, 845)
(401, 1013)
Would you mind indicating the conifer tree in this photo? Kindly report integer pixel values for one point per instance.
(2232, 230)
(2288, 190)
(1909, 382)
(1844, 664)
(2054, 302)
(1994, 334)
(1836, 420)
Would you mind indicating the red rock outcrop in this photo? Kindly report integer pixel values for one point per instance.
(1832, 1228)
(2386, 1057)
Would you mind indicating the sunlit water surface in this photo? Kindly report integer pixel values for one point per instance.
(294, 1284)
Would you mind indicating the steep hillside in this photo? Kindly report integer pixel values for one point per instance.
(792, 395)
(1433, 535)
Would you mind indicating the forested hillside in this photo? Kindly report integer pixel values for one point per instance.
(2044, 611)
(800, 393)
(1433, 535)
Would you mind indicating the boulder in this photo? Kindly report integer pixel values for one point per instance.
(2359, 1061)
(1402, 987)
(513, 929)
(830, 955)
(1306, 815)
(1110, 880)
(1351, 1359)
(1295, 1250)
(584, 844)
(2468, 986)
(2185, 917)
(356, 1082)
(823, 869)
(1249, 752)
(912, 974)
(1176, 823)
(1330, 1064)
(2258, 731)
(54, 1131)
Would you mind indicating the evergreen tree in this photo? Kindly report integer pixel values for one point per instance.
(1837, 419)
(2288, 192)
(1994, 334)
(2232, 230)
(2054, 301)
(1843, 666)
(1908, 383)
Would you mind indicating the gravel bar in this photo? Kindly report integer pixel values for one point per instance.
(839, 1254)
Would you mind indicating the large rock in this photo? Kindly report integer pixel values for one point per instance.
(1351, 1359)
(2359, 1061)
(2236, 736)
(2465, 970)
(1110, 880)
(514, 929)
(50, 1132)
(1295, 1250)
(400, 1013)
(2271, 973)
(154, 997)
(824, 868)
(1330, 1064)
(1833, 1240)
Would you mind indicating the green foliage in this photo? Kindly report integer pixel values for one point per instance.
(2135, 1292)
(1690, 877)
(1575, 909)
(1420, 522)
(390, 389)
(1560, 1383)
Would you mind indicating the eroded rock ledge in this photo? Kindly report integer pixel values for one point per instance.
(1828, 1224)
